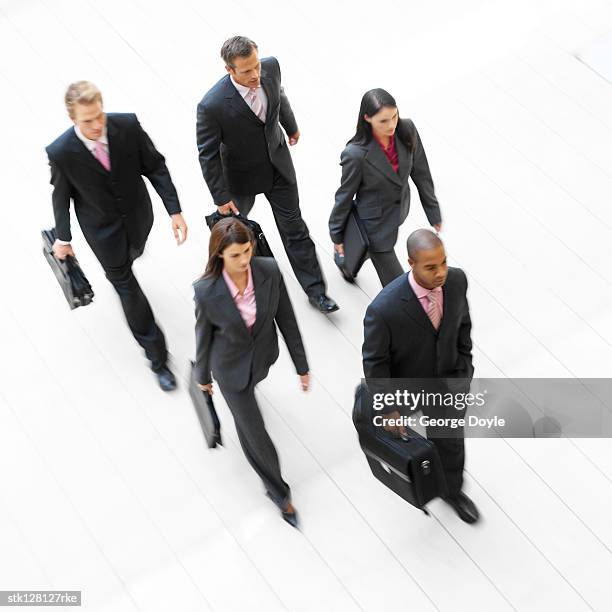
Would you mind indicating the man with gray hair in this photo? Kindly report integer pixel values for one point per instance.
(243, 152)
(418, 327)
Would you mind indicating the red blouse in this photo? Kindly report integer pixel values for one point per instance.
(390, 152)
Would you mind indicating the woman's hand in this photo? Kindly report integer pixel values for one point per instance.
(293, 139)
(208, 388)
(339, 248)
(305, 381)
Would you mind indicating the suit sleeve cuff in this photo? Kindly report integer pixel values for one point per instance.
(304, 369)
(224, 198)
(435, 219)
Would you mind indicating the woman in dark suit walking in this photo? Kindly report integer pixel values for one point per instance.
(376, 164)
(239, 302)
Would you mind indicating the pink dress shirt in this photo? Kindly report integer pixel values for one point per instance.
(245, 302)
(422, 294)
(244, 92)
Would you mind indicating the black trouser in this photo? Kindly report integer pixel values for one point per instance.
(450, 445)
(387, 266)
(138, 313)
(256, 443)
(300, 249)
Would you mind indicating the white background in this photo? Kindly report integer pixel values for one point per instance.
(105, 483)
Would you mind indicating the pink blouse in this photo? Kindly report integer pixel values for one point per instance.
(245, 302)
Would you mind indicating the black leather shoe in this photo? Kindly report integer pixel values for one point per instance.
(464, 507)
(165, 378)
(323, 303)
(290, 517)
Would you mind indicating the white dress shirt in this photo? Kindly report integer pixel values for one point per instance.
(91, 147)
(91, 144)
(244, 92)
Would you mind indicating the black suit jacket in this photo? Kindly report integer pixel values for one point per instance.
(238, 152)
(225, 346)
(113, 208)
(381, 195)
(400, 341)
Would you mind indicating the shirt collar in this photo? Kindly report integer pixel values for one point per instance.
(390, 148)
(91, 144)
(242, 90)
(419, 291)
(232, 286)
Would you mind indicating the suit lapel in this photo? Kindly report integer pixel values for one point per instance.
(222, 293)
(266, 87)
(449, 304)
(414, 309)
(112, 133)
(238, 103)
(262, 285)
(84, 156)
(378, 159)
(403, 159)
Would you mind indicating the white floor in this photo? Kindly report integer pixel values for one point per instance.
(105, 483)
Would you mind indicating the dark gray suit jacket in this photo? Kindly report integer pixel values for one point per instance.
(238, 152)
(381, 195)
(109, 205)
(400, 341)
(225, 346)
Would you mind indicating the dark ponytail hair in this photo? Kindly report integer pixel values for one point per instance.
(225, 233)
(371, 103)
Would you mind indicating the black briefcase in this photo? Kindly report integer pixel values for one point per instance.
(356, 246)
(262, 248)
(74, 283)
(205, 409)
(409, 465)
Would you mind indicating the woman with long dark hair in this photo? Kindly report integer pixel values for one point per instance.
(376, 164)
(239, 302)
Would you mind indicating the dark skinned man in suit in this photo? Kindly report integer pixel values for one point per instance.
(418, 327)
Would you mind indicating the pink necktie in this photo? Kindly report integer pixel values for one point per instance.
(102, 155)
(256, 104)
(433, 309)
